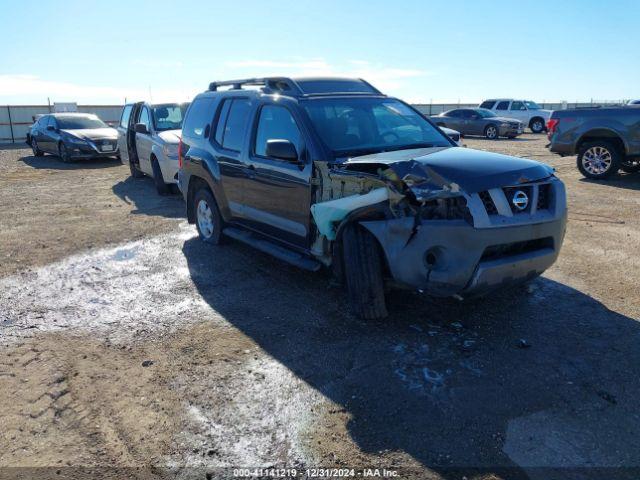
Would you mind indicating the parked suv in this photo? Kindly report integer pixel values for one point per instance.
(331, 172)
(528, 112)
(148, 137)
(604, 139)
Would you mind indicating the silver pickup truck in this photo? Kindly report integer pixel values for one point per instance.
(148, 138)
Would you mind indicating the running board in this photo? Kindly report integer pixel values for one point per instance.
(281, 253)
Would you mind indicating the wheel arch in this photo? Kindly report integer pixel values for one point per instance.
(195, 183)
(603, 133)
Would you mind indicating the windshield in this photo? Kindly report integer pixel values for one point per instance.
(80, 123)
(484, 113)
(169, 116)
(532, 105)
(357, 126)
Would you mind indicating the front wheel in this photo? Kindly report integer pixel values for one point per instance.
(363, 273)
(161, 187)
(34, 147)
(598, 159)
(537, 125)
(491, 132)
(208, 219)
(63, 153)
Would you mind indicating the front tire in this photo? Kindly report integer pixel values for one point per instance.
(208, 219)
(537, 125)
(36, 150)
(63, 153)
(598, 159)
(158, 179)
(363, 273)
(491, 132)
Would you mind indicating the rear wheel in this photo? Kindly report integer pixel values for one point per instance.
(158, 179)
(598, 159)
(363, 273)
(536, 125)
(491, 132)
(208, 219)
(34, 147)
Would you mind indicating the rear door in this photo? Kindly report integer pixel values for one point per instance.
(502, 108)
(278, 196)
(123, 128)
(454, 120)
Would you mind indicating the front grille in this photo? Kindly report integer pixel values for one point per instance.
(489, 206)
(496, 252)
(544, 196)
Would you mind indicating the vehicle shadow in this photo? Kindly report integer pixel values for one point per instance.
(142, 194)
(501, 139)
(53, 162)
(537, 382)
(627, 181)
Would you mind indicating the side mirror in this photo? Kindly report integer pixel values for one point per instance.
(51, 128)
(282, 149)
(140, 128)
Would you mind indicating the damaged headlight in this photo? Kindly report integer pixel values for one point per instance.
(452, 208)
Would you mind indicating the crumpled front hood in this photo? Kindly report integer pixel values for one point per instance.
(93, 133)
(503, 120)
(431, 172)
(170, 136)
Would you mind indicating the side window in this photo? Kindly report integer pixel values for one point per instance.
(197, 118)
(235, 125)
(222, 120)
(52, 122)
(467, 114)
(126, 113)
(503, 106)
(144, 117)
(42, 123)
(518, 106)
(454, 114)
(276, 123)
(488, 104)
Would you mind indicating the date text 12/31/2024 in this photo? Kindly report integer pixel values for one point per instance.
(314, 473)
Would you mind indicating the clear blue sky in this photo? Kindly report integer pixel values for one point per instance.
(101, 52)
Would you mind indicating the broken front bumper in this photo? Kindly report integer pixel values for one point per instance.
(451, 257)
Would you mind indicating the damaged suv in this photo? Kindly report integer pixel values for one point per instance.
(331, 172)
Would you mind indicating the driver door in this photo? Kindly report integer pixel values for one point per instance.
(518, 110)
(278, 194)
(144, 141)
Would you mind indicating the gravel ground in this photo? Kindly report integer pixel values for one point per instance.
(125, 342)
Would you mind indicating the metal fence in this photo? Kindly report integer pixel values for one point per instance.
(15, 120)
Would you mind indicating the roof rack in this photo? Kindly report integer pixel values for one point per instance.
(274, 84)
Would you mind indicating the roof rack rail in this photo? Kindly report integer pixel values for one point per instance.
(275, 84)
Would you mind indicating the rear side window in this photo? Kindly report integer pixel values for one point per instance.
(503, 106)
(454, 114)
(488, 104)
(126, 113)
(198, 117)
(276, 123)
(233, 122)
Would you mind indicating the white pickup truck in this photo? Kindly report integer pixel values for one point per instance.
(526, 111)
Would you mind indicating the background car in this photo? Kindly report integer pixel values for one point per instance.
(148, 137)
(634, 102)
(526, 111)
(73, 136)
(478, 121)
(453, 135)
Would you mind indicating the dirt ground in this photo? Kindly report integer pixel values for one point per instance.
(128, 346)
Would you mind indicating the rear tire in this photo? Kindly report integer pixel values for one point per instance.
(158, 179)
(491, 132)
(34, 146)
(536, 125)
(598, 159)
(363, 273)
(208, 219)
